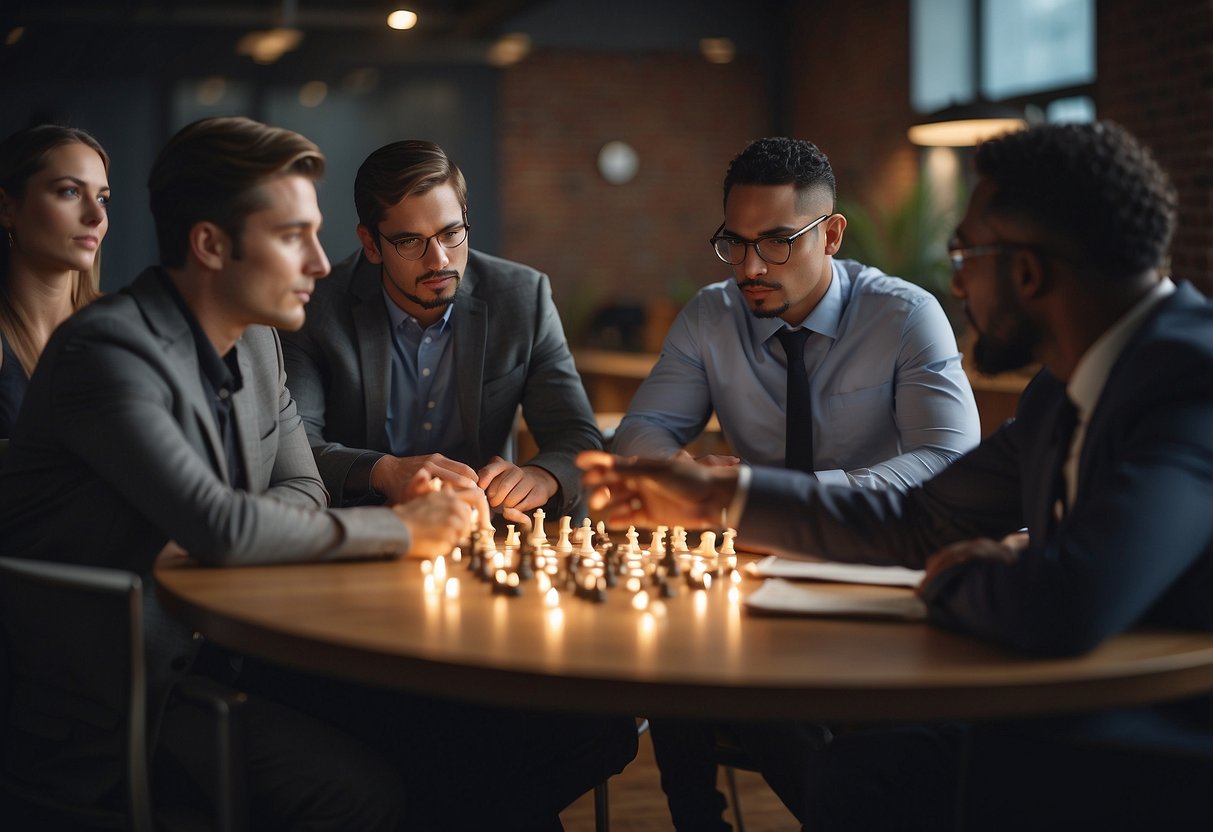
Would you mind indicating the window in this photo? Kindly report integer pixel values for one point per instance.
(963, 51)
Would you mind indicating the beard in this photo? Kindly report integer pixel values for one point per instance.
(435, 302)
(765, 311)
(1018, 340)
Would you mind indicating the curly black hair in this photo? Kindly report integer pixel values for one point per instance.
(1093, 187)
(780, 161)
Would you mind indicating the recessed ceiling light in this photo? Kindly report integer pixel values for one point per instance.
(402, 19)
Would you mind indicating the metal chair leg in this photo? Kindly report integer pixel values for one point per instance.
(602, 808)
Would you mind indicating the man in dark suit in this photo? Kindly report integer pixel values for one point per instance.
(418, 352)
(159, 414)
(1108, 466)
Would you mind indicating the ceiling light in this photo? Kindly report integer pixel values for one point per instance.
(509, 49)
(717, 50)
(402, 19)
(965, 125)
(313, 93)
(268, 45)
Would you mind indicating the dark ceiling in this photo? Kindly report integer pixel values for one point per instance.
(188, 37)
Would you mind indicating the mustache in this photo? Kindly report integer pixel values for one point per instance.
(439, 273)
(757, 282)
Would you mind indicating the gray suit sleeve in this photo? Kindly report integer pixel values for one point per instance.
(344, 470)
(555, 404)
(122, 413)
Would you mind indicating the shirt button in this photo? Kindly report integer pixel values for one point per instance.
(430, 405)
(427, 425)
(224, 393)
(426, 371)
(428, 339)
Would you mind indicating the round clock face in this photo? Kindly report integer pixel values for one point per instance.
(618, 162)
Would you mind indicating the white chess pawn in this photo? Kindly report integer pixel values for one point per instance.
(584, 530)
(538, 535)
(657, 541)
(726, 542)
(678, 540)
(586, 549)
(633, 544)
(563, 545)
(511, 537)
(707, 546)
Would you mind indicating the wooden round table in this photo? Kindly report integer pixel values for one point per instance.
(704, 655)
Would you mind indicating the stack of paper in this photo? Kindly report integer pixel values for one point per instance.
(779, 596)
(850, 573)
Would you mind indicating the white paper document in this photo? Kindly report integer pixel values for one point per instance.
(847, 573)
(779, 596)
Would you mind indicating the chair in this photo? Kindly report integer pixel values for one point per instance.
(602, 806)
(732, 756)
(95, 656)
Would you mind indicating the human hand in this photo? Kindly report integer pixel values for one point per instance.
(707, 459)
(172, 551)
(645, 492)
(516, 490)
(437, 520)
(962, 551)
(392, 475)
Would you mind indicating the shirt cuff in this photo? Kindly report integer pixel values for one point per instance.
(732, 514)
(358, 478)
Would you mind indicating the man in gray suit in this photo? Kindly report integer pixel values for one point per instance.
(160, 414)
(418, 352)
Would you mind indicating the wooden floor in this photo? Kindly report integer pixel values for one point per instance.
(637, 804)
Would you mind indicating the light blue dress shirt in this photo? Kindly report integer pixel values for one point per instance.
(423, 406)
(891, 404)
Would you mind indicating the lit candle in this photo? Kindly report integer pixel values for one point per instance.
(439, 568)
(452, 587)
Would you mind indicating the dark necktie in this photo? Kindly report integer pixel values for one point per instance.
(1063, 435)
(799, 449)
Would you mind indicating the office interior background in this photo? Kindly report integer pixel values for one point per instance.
(594, 136)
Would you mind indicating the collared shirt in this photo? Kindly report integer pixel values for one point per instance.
(891, 404)
(1091, 373)
(221, 380)
(423, 414)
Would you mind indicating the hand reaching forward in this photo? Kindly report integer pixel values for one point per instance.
(392, 475)
(645, 492)
(438, 520)
(516, 490)
(963, 551)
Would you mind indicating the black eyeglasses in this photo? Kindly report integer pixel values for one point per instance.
(414, 247)
(774, 250)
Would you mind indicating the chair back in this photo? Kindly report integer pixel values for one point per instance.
(73, 636)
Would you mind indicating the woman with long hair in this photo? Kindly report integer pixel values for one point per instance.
(54, 200)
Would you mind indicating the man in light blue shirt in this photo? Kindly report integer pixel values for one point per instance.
(885, 402)
(890, 403)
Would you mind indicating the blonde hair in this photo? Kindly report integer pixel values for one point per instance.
(22, 155)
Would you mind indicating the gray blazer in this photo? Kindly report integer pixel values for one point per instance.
(116, 452)
(510, 350)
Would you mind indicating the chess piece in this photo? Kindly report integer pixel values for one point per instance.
(511, 537)
(563, 545)
(526, 560)
(538, 535)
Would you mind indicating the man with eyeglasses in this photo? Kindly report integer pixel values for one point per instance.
(419, 351)
(876, 396)
(416, 355)
(825, 366)
(1060, 258)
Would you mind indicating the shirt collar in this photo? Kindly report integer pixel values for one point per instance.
(398, 316)
(1092, 371)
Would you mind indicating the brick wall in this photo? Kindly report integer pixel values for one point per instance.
(604, 243)
(1155, 68)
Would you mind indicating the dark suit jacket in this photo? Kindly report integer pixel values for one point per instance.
(115, 453)
(1136, 547)
(509, 350)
